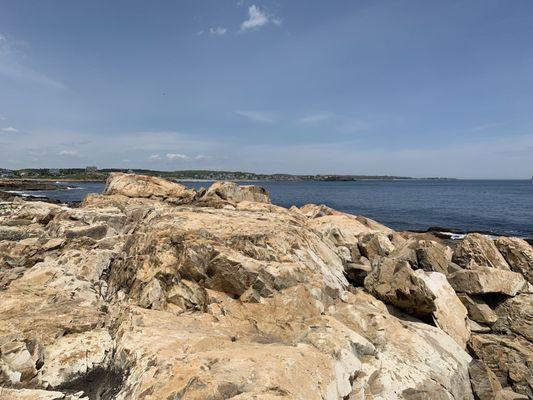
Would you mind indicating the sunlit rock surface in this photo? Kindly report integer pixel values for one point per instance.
(156, 291)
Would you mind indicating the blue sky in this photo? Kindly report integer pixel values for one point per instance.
(419, 88)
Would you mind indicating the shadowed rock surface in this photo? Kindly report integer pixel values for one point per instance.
(156, 291)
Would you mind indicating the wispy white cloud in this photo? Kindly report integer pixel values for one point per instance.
(315, 118)
(69, 153)
(13, 65)
(200, 157)
(257, 116)
(218, 31)
(177, 157)
(257, 18)
(2, 117)
(9, 129)
(484, 127)
(155, 157)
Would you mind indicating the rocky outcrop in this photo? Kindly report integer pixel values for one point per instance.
(508, 357)
(420, 293)
(140, 186)
(519, 255)
(478, 250)
(233, 193)
(483, 280)
(156, 291)
(485, 384)
(515, 315)
(478, 309)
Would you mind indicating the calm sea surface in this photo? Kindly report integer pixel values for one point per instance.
(499, 207)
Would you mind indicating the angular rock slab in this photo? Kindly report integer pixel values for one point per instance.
(231, 192)
(483, 280)
(477, 249)
(518, 253)
(485, 383)
(450, 313)
(420, 293)
(395, 283)
(478, 310)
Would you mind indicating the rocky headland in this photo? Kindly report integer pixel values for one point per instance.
(155, 291)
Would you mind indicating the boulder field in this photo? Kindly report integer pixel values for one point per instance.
(155, 291)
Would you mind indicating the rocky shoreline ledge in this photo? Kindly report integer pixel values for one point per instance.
(155, 291)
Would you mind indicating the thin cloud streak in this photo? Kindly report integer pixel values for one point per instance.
(256, 116)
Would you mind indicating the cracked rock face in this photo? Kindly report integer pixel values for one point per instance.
(156, 291)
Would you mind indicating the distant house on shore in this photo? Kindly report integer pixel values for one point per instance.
(54, 171)
(91, 170)
(6, 173)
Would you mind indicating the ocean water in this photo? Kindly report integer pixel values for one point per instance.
(492, 206)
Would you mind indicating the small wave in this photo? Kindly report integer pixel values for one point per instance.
(25, 194)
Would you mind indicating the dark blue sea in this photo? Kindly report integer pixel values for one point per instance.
(491, 206)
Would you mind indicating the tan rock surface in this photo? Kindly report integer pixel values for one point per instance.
(478, 310)
(148, 293)
(508, 357)
(477, 249)
(234, 193)
(515, 315)
(131, 185)
(484, 280)
(519, 255)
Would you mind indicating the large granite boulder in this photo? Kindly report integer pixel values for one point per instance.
(141, 186)
(433, 256)
(519, 255)
(230, 192)
(476, 249)
(420, 293)
(374, 245)
(483, 280)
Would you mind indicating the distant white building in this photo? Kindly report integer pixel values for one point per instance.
(6, 173)
(91, 170)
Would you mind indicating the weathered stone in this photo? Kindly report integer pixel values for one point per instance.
(477, 249)
(508, 357)
(477, 309)
(71, 357)
(234, 300)
(516, 315)
(519, 255)
(449, 314)
(487, 280)
(507, 394)
(395, 283)
(131, 185)
(233, 193)
(420, 293)
(375, 245)
(484, 383)
(478, 328)
(34, 394)
(433, 256)
(94, 232)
